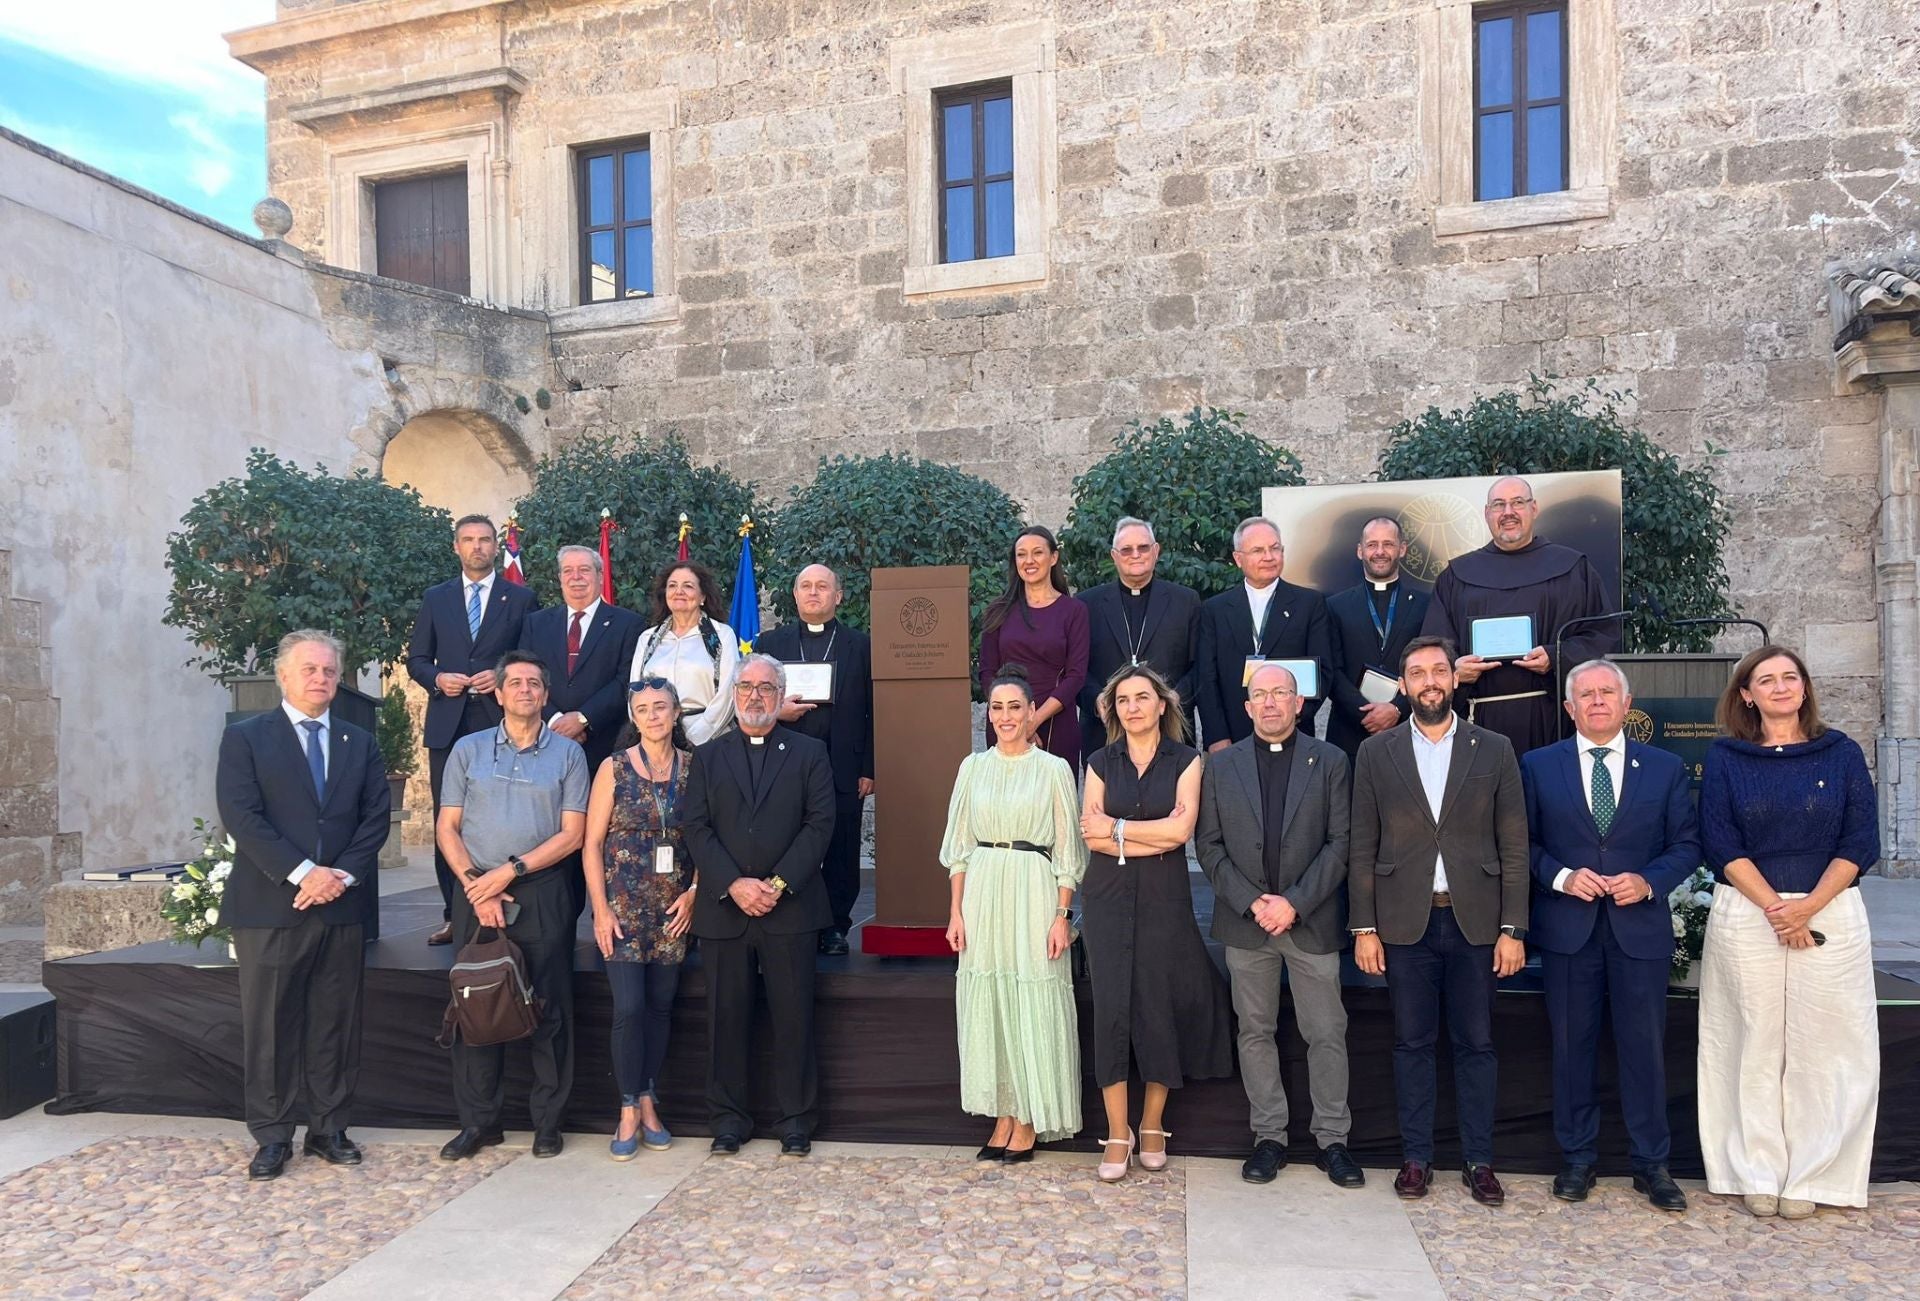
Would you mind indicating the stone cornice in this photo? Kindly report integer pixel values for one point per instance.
(325, 112)
(251, 45)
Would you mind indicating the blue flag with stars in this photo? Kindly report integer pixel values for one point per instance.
(744, 614)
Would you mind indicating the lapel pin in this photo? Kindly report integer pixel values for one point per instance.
(781, 746)
(1309, 761)
(1821, 784)
(1636, 763)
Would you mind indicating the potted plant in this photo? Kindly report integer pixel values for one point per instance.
(281, 548)
(398, 752)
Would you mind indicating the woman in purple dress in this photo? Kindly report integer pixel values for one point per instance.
(1036, 623)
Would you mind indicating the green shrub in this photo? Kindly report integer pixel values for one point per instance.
(874, 512)
(283, 548)
(1193, 481)
(1674, 519)
(395, 735)
(646, 485)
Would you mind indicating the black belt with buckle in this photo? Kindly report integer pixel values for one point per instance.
(1024, 846)
(1442, 899)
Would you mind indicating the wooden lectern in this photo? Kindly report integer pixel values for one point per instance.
(922, 729)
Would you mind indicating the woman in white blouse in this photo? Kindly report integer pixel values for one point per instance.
(691, 648)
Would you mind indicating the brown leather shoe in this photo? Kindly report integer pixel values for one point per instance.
(1413, 1181)
(442, 936)
(1485, 1188)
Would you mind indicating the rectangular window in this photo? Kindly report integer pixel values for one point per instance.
(616, 220)
(974, 134)
(1520, 100)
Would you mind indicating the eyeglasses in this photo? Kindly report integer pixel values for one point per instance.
(1498, 504)
(1279, 696)
(1261, 553)
(757, 690)
(1145, 549)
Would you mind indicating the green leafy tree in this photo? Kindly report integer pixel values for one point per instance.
(1674, 519)
(874, 512)
(646, 485)
(282, 548)
(1193, 480)
(398, 739)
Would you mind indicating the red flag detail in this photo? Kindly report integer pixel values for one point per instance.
(511, 570)
(607, 526)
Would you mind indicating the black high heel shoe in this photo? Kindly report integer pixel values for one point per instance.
(992, 1151)
(1012, 1156)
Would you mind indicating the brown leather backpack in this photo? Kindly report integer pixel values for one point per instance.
(492, 1000)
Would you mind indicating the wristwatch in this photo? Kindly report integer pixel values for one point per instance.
(1514, 932)
(519, 864)
(1063, 914)
(778, 882)
(583, 719)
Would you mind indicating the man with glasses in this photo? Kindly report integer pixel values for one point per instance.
(513, 808)
(1263, 618)
(759, 817)
(1138, 618)
(1272, 839)
(1519, 574)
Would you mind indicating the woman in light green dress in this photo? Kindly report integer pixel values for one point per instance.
(1014, 854)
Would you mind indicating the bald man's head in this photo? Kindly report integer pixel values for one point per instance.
(1511, 512)
(816, 593)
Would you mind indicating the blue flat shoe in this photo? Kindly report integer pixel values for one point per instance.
(624, 1149)
(658, 1140)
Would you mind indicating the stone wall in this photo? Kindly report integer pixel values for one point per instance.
(33, 849)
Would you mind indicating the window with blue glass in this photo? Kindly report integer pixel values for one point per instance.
(975, 130)
(616, 221)
(1520, 100)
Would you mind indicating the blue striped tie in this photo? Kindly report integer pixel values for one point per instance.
(316, 759)
(473, 611)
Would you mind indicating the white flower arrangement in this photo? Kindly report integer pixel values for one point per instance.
(192, 906)
(1691, 900)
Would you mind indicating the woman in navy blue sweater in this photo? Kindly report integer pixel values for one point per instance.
(1789, 1045)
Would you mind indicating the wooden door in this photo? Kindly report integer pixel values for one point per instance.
(420, 230)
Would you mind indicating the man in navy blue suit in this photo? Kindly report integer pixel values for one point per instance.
(464, 626)
(587, 645)
(304, 796)
(1613, 831)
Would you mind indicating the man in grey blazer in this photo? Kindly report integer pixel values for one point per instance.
(1272, 838)
(1437, 884)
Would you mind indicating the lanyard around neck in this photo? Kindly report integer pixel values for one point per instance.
(1386, 629)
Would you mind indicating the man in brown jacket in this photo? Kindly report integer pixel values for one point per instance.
(1437, 891)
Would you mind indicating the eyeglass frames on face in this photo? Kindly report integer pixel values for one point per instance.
(757, 690)
(1501, 504)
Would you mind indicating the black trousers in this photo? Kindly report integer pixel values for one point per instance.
(544, 930)
(300, 990)
(1444, 974)
(786, 963)
(840, 869)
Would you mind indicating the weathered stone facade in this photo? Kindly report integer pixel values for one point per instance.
(34, 851)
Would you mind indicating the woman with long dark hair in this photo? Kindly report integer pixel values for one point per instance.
(690, 647)
(641, 884)
(1038, 623)
(1789, 1064)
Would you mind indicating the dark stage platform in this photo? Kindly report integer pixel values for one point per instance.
(157, 1029)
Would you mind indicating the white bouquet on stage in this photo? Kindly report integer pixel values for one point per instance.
(192, 904)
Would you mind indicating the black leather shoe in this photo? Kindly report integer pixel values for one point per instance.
(1660, 1189)
(795, 1145)
(547, 1142)
(1573, 1183)
(334, 1149)
(1481, 1183)
(269, 1161)
(1340, 1166)
(833, 944)
(1268, 1159)
(468, 1141)
(725, 1145)
(1413, 1181)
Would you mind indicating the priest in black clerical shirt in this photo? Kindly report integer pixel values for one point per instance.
(844, 723)
(1371, 623)
(1517, 573)
(1138, 618)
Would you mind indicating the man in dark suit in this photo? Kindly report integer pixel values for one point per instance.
(1614, 831)
(1371, 623)
(464, 626)
(1263, 618)
(844, 723)
(759, 817)
(304, 796)
(1437, 887)
(1137, 619)
(1272, 838)
(587, 645)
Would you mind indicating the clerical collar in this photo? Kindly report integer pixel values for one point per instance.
(1140, 590)
(1275, 747)
(1380, 585)
(816, 627)
(756, 740)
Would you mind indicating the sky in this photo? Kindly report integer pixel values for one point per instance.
(145, 90)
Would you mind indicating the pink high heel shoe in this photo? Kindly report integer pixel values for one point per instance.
(1112, 1172)
(1155, 1160)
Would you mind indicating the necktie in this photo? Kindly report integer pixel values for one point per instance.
(473, 610)
(1602, 790)
(573, 642)
(316, 758)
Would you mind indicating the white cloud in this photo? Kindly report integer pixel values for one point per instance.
(210, 164)
(211, 175)
(174, 44)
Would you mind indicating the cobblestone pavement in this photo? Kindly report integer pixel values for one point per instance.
(1614, 1245)
(175, 1217)
(856, 1228)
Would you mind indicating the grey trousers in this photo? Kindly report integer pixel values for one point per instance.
(1322, 1020)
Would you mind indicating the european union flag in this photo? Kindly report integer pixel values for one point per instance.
(745, 612)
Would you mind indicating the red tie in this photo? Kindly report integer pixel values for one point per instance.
(573, 642)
